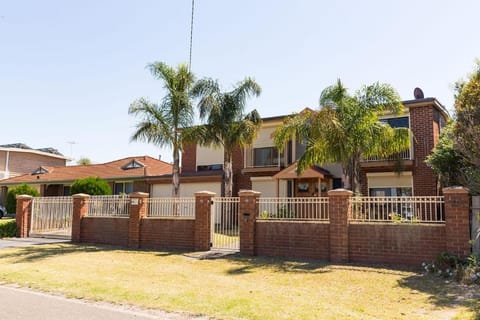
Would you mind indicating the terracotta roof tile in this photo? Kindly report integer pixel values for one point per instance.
(110, 170)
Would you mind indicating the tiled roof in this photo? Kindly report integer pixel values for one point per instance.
(109, 171)
(25, 147)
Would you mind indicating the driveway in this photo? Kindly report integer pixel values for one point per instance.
(25, 242)
(27, 304)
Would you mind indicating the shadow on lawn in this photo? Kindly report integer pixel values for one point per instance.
(249, 264)
(39, 252)
(445, 293)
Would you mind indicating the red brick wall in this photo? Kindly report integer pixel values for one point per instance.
(21, 162)
(395, 244)
(112, 231)
(167, 234)
(292, 239)
(189, 158)
(423, 127)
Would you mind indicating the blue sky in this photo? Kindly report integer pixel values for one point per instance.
(70, 69)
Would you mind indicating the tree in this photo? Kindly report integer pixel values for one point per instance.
(447, 163)
(93, 186)
(226, 124)
(84, 161)
(161, 123)
(11, 205)
(346, 128)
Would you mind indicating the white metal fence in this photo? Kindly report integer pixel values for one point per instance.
(225, 232)
(305, 208)
(52, 216)
(108, 206)
(398, 209)
(171, 207)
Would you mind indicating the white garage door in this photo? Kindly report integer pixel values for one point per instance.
(266, 185)
(186, 189)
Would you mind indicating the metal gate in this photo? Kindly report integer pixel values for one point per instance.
(475, 215)
(225, 229)
(52, 217)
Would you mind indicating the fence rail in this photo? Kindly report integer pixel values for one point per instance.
(108, 206)
(171, 207)
(301, 208)
(398, 209)
(52, 214)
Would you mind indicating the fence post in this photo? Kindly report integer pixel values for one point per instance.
(248, 212)
(203, 216)
(138, 210)
(23, 214)
(80, 209)
(340, 208)
(457, 220)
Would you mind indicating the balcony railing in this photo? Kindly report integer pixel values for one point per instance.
(404, 155)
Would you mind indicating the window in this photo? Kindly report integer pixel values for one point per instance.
(390, 192)
(40, 170)
(401, 122)
(265, 157)
(133, 165)
(123, 187)
(66, 191)
(210, 167)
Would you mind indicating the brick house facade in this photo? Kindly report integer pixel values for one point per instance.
(260, 167)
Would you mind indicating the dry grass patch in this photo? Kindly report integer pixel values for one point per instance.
(236, 287)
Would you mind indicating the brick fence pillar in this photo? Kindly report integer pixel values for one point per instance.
(80, 209)
(339, 207)
(248, 212)
(203, 216)
(138, 210)
(23, 214)
(457, 220)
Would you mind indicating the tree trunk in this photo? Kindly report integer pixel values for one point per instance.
(356, 186)
(176, 174)
(228, 174)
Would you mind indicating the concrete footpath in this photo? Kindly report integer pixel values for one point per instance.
(26, 242)
(17, 303)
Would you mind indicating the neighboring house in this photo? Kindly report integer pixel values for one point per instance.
(17, 159)
(124, 176)
(262, 168)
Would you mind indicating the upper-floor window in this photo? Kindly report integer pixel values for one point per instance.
(400, 122)
(265, 157)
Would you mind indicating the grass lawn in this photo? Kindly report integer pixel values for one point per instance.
(236, 287)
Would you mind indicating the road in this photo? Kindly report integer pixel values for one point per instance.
(17, 303)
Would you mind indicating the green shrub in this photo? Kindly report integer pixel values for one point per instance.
(12, 196)
(92, 186)
(8, 228)
(448, 265)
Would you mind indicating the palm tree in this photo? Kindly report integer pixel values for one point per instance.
(226, 124)
(347, 128)
(161, 123)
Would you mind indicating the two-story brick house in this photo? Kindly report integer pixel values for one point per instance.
(261, 167)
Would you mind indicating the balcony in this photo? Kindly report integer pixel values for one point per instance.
(406, 157)
(263, 159)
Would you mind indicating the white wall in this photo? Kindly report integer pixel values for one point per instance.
(264, 137)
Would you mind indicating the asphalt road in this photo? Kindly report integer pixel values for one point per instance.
(23, 304)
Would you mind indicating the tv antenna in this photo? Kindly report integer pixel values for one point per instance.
(191, 37)
(71, 143)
